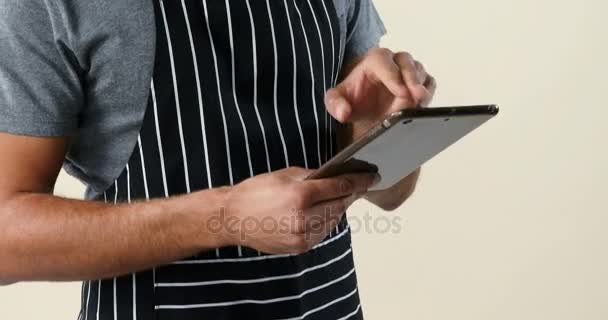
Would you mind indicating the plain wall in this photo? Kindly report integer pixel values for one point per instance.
(511, 222)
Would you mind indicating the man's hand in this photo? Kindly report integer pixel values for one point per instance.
(48, 238)
(378, 84)
(381, 83)
(280, 212)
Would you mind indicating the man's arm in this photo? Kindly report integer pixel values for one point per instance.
(43, 237)
(50, 238)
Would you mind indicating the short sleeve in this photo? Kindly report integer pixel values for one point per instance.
(364, 29)
(40, 88)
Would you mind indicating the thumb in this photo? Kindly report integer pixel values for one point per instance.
(337, 105)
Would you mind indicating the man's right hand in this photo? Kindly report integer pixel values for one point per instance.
(281, 212)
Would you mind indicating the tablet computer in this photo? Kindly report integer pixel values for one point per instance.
(404, 141)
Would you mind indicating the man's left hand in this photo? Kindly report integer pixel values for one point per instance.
(381, 83)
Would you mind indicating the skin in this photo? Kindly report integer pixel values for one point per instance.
(49, 238)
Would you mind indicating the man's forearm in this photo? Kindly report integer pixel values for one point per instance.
(46, 238)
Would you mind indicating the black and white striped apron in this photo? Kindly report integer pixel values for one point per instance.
(237, 91)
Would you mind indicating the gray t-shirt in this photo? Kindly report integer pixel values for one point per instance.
(83, 68)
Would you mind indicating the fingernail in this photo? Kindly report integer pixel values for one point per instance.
(343, 114)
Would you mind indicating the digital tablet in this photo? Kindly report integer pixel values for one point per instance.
(404, 141)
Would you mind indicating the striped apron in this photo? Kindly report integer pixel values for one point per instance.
(237, 91)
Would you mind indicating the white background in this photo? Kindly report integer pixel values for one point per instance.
(509, 223)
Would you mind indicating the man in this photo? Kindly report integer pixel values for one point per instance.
(193, 124)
